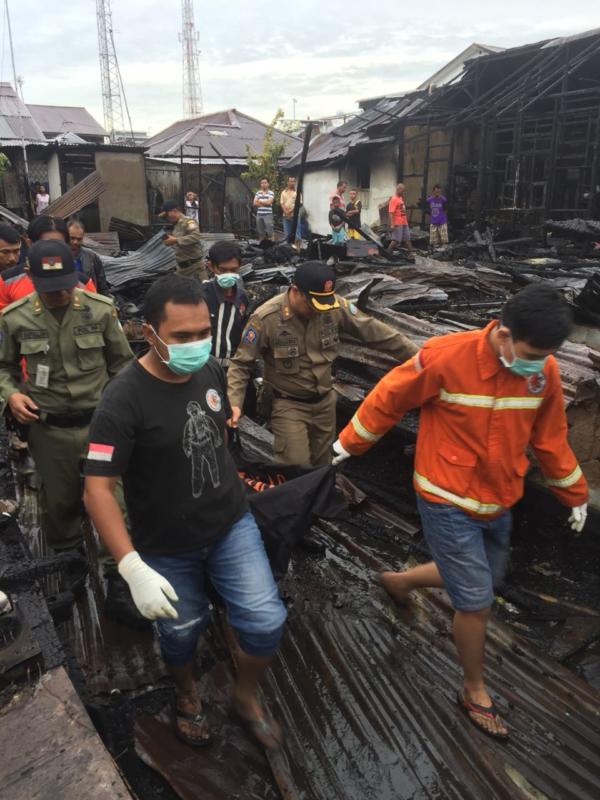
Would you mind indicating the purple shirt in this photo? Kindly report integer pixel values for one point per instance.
(437, 212)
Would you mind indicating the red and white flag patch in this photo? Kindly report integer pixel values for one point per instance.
(100, 452)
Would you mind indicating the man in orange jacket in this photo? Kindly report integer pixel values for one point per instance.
(485, 396)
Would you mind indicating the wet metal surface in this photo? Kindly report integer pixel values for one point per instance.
(367, 696)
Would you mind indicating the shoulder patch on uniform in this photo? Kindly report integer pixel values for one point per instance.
(190, 224)
(17, 304)
(98, 297)
(250, 335)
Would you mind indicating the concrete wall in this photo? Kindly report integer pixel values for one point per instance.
(383, 182)
(318, 185)
(54, 177)
(125, 195)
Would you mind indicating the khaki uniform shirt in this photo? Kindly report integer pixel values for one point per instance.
(67, 363)
(189, 244)
(298, 353)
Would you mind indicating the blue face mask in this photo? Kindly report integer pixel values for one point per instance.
(523, 367)
(187, 357)
(227, 280)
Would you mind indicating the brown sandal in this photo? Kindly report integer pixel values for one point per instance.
(198, 719)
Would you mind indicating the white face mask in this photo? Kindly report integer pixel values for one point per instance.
(227, 280)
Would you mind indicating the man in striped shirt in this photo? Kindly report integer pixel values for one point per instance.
(227, 301)
(263, 203)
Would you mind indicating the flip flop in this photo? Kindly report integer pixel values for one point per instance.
(491, 712)
(260, 727)
(198, 719)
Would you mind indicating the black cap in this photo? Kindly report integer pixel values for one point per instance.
(317, 281)
(169, 205)
(51, 266)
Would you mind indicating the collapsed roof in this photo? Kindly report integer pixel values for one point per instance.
(509, 81)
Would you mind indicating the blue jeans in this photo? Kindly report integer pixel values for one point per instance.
(471, 554)
(238, 568)
(287, 228)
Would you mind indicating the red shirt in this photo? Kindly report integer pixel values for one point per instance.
(15, 284)
(397, 208)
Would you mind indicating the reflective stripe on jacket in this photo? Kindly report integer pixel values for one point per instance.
(477, 420)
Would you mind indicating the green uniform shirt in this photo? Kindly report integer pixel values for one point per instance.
(189, 243)
(67, 362)
(298, 353)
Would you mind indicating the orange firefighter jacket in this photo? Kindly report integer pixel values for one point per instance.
(477, 420)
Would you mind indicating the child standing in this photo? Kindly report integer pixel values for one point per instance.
(438, 227)
(353, 210)
(337, 220)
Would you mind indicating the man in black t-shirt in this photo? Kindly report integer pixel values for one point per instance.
(161, 425)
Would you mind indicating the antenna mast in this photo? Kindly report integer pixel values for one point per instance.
(192, 90)
(113, 93)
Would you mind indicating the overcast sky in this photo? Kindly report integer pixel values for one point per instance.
(259, 54)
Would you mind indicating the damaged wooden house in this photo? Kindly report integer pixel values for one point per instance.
(207, 155)
(512, 135)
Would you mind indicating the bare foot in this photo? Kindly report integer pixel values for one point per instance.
(395, 584)
(258, 722)
(482, 712)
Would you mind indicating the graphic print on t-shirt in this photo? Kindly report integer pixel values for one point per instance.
(200, 437)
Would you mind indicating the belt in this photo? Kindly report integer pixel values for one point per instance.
(79, 420)
(316, 398)
(189, 262)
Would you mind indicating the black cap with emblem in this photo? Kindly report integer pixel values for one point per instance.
(51, 266)
(317, 281)
(169, 205)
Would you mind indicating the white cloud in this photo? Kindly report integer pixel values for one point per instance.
(257, 55)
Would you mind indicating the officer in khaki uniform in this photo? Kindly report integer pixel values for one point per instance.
(186, 240)
(69, 342)
(298, 334)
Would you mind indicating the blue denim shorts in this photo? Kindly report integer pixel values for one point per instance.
(471, 554)
(239, 569)
(288, 224)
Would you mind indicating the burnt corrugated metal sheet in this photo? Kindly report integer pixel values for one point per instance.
(150, 261)
(106, 244)
(6, 213)
(80, 196)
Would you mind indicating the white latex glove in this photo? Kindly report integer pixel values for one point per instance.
(578, 517)
(150, 591)
(339, 453)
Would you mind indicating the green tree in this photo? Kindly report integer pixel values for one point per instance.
(266, 163)
(4, 164)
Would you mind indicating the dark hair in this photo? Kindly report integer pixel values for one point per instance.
(9, 234)
(437, 186)
(264, 178)
(223, 251)
(74, 221)
(538, 315)
(341, 183)
(176, 289)
(44, 224)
